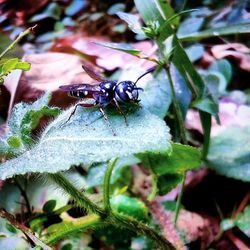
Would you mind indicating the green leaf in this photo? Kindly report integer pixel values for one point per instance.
(86, 139)
(124, 47)
(170, 168)
(26, 117)
(23, 65)
(156, 96)
(129, 206)
(182, 92)
(181, 159)
(11, 228)
(32, 119)
(96, 173)
(65, 229)
(167, 182)
(208, 105)
(195, 52)
(14, 141)
(132, 21)
(224, 67)
(49, 206)
(243, 221)
(215, 82)
(229, 153)
(9, 65)
(227, 224)
(221, 31)
(190, 25)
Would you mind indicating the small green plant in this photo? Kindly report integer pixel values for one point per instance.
(8, 64)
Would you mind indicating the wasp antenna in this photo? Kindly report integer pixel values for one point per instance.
(148, 71)
(139, 89)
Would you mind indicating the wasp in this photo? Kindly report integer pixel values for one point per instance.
(104, 93)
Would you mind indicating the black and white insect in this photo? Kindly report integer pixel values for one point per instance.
(104, 93)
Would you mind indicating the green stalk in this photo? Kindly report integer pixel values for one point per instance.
(17, 40)
(178, 205)
(177, 108)
(113, 218)
(106, 185)
(140, 228)
(82, 224)
(81, 199)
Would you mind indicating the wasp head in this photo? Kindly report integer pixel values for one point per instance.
(127, 91)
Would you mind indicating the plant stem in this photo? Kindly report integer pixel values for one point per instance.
(106, 185)
(17, 40)
(177, 107)
(140, 228)
(27, 232)
(23, 193)
(178, 205)
(113, 218)
(82, 224)
(81, 199)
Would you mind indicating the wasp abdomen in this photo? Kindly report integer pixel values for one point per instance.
(80, 94)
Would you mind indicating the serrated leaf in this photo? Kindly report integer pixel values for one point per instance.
(31, 120)
(25, 117)
(129, 206)
(124, 47)
(229, 153)
(86, 139)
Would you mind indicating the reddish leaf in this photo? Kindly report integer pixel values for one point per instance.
(237, 51)
(106, 58)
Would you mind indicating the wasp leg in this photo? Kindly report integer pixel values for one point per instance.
(107, 120)
(71, 114)
(120, 111)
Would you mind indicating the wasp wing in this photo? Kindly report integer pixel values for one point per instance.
(81, 87)
(93, 74)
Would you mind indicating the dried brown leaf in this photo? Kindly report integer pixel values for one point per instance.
(237, 51)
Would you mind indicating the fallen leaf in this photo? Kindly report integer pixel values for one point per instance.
(237, 51)
(198, 227)
(19, 11)
(231, 114)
